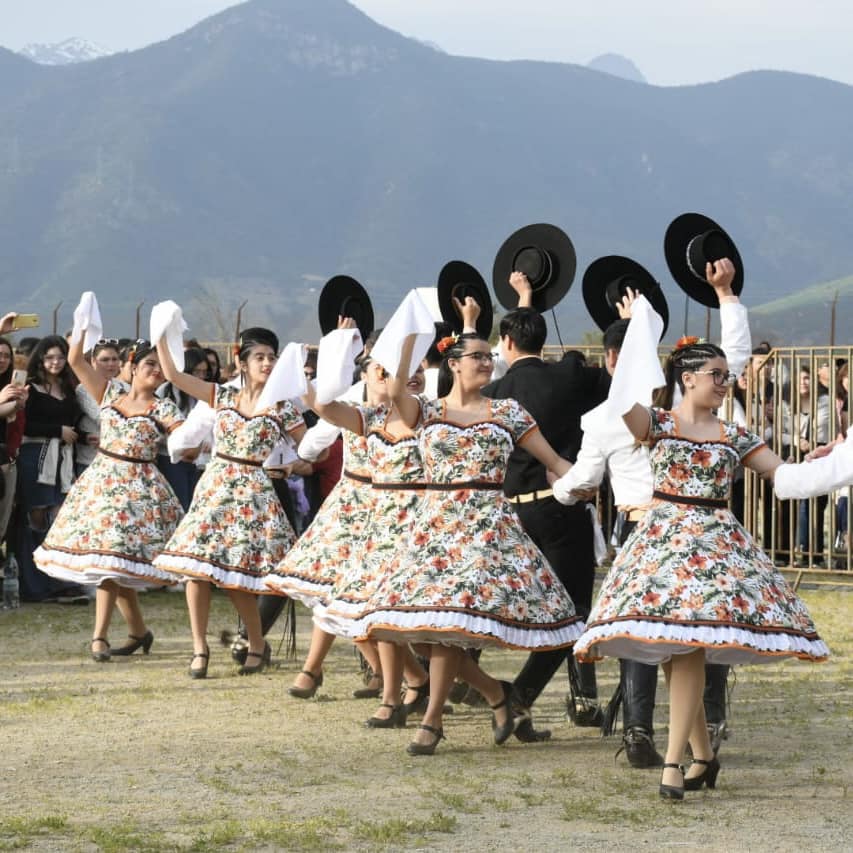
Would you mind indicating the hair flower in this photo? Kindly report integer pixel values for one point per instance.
(446, 343)
(688, 341)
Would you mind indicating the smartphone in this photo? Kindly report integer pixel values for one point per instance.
(25, 321)
(19, 377)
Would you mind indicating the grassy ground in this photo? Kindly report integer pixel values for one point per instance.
(135, 756)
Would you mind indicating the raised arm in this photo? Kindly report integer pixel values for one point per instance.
(192, 385)
(407, 405)
(638, 421)
(89, 378)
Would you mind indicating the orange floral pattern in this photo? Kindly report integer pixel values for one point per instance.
(334, 538)
(695, 567)
(118, 515)
(468, 574)
(235, 530)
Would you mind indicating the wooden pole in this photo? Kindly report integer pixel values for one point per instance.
(832, 320)
(56, 317)
(707, 324)
(138, 310)
(239, 318)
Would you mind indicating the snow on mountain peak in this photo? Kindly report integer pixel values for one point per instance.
(65, 52)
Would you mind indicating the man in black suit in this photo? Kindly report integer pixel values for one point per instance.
(556, 395)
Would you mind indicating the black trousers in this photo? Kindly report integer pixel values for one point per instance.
(564, 535)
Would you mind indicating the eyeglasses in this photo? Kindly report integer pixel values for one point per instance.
(107, 342)
(480, 357)
(720, 377)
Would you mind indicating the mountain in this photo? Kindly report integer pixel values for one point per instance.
(65, 52)
(283, 141)
(618, 66)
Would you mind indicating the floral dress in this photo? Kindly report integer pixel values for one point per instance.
(235, 530)
(468, 574)
(121, 511)
(334, 537)
(398, 488)
(689, 576)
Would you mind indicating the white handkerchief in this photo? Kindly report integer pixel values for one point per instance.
(412, 317)
(638, 371)
(287, 379)
(168, 319)
(87, 322)
(335, 362)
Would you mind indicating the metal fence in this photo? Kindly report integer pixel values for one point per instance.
(795, 398)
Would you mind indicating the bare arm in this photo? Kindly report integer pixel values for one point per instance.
(519, 283)
(537, 446)
(88, 376)
(764, 462)
(637, 421)
(407, 405)
(192, 385)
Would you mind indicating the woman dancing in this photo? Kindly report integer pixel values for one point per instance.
(235, 530)
(397, 475)
(121, 511)
(689, 586)
(468, 575)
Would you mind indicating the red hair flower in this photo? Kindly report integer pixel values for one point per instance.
(688, 341)
(446, 343)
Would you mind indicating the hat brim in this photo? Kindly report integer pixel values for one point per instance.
(547, 238)
(343, 295)
(678, 236)
(454, 274)
(600, 273)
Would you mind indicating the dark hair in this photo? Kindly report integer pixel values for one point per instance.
(526, 328)
(124, 347)
(614, 335)
(25, 346)
(103, 345)
(36, 374)
(372, 338)
(433, 356)
(217, 373)
(137, 350)
(6, 375)
(256, 336)
(193, 357)
(683, 360)
(445, 374)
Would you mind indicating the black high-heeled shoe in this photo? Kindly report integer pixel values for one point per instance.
(103, 656)
(671, 792)
(307, 692)
(263, 661)
(419, 704)
(143, 642)
(415, 748)
(708, 776)
(371, 690)
(515, 713)
(395, 720)
(200, 672)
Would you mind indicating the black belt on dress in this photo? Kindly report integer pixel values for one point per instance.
(124, 458)
(250, 462)
(687, 499)
(453, 487)
(359, 478)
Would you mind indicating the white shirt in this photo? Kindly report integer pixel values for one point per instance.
(323, 434)
(608, 446)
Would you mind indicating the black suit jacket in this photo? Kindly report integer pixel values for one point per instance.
(556, 395)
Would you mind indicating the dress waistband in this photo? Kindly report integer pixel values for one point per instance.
(687, 499)
(480, 485)
(123, 458)
(359, 478)
(250, 462)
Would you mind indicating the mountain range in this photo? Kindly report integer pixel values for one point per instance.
(66, 52)
(281, 142)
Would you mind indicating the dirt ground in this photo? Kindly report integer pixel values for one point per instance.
(135, 756)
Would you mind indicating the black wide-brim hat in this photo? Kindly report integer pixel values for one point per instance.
(461, 280)
(545, 254)
(605, 282)
(343, 296)
(691, 241)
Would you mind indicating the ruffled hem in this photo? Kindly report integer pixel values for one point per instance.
(657, 642)
(191, 568)
(308, 593)
(455, 628)
(92, 569)
(333, 623)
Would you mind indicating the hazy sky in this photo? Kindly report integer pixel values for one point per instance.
(672, 42)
